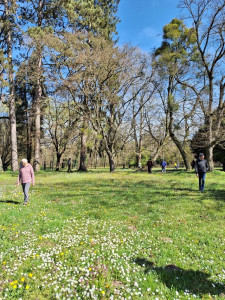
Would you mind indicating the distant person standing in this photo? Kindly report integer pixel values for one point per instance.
(163, 165)
(150, 165)
(176, 166)
(26, 177)
(69, 164)
(201, 167)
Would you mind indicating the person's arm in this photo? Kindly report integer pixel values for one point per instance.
(32, 175)
(196, 168)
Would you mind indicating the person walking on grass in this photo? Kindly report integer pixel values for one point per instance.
(163, 165)
(26, 177)
(201, 167)
(150, 165)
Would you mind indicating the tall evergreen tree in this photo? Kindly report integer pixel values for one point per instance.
(8, 34)
(40, 16)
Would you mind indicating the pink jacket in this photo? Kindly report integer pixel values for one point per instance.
(26, 174)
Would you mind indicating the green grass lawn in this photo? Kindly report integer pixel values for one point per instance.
(126, 235)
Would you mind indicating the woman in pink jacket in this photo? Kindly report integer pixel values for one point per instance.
(26, 177)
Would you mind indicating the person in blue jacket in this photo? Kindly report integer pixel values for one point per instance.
(201, 167)
(163, 165)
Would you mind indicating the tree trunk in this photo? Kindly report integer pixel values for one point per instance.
(83, 148)
(96, 160)
(28, 130)
(179, 144)
(138, 141)
(182, 152)
(12, 109)
(38, 95)
(58, 156)
(209, 157)
(138, 159)
(209, 124)
(14, 154)
(112, 165)
(29, 144)
(1, 166)
(37, 138)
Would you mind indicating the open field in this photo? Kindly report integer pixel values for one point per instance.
(126, 235)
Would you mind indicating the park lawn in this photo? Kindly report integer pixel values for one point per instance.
(127, 235)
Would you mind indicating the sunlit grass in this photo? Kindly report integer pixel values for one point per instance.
(128, 235)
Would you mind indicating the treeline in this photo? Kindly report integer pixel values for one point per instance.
(68, 89)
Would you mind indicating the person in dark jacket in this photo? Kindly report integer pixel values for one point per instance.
(150, 165)
(201, 167)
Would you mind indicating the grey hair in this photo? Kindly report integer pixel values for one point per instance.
(24, 160)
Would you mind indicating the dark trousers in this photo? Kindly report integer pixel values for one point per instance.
(149, 169)
(201, 181)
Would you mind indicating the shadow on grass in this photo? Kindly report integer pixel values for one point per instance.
(10, 201)
(195, 282)
(184, 189)
(217, 194)
(112, 189)
(116, 194)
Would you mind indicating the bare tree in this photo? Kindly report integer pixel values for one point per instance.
(208, 19)
(138, 132)
(99, 77)
(156, 116)
(139, 116)
(60, 124)
(113, 97)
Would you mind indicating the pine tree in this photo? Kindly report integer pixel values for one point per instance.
(7, 40)
(42, 16)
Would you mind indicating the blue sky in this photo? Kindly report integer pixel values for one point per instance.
(142, 21)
